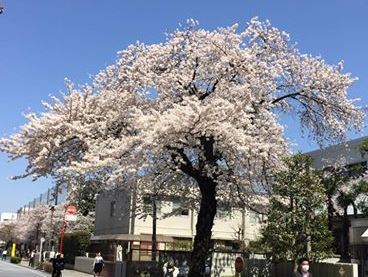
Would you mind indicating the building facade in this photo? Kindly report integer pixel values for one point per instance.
(350, 156)
(117, 223)
(4, 217)
(347, 154)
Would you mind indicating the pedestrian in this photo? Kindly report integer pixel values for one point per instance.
(98, 264)
(31, 258)
(303, 269)
(57, 266)
(5, 253)
(170, 270)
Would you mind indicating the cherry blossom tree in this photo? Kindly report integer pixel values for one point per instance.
(52, 223)
(203, 105)
(28, 228)
(7, 231)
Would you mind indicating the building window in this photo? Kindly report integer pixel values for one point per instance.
(112, 208)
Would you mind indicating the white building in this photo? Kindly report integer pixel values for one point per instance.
(116, 223)
(7, 217)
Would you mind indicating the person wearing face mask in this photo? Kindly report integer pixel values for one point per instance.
(303, 269)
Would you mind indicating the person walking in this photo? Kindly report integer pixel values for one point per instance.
(31, 258)
(98, 265)
(303, 269)
(5, 254)
(57, 266)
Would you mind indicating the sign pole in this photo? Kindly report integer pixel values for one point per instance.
(62, 235)
(69, 215)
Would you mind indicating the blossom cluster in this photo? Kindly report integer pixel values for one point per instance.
(203, 105)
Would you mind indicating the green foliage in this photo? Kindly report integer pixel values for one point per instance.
(257, 246)
(84, 194)
(15, 260)
(76, 244)
(297, 220)
(363, 147)
(362, 191)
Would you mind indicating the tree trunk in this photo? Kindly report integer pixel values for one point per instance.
(355, 211)
(345, 255)
(330, 210)
(202, 241)
(154, 225)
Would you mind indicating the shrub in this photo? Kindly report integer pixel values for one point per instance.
(40, 265)
(47, 266)
(15, 260)
(75, 244)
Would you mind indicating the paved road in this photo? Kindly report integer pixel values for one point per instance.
(10, 270)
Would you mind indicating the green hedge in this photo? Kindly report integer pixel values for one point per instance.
(75, 244)
(15, 260)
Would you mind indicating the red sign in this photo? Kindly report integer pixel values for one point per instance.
(239, 265)
(71, 209)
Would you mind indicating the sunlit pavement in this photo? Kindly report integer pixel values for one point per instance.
(11, 270)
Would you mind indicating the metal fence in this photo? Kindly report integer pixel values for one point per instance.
(222, 264)
(54, 196)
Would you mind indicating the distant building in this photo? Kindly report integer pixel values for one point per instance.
(7, 217)
(117, 224)
(350, 156)
(347, 153)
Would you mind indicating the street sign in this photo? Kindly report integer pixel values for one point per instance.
(70, 217)
(71, 209)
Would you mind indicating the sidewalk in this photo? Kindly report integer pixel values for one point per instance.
(73, 273)
(66, 272)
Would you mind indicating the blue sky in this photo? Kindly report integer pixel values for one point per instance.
(43, 41)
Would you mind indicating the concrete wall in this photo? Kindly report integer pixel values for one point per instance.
(184, 225)
(83, 264)
(175, 225)
(105, 223)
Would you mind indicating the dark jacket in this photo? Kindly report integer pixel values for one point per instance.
(298, 273)
(58, 264)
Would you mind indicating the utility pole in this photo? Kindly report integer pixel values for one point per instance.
(154, 228)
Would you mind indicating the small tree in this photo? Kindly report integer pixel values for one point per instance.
(297, 220)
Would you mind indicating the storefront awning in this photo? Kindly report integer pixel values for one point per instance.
(130, 237)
